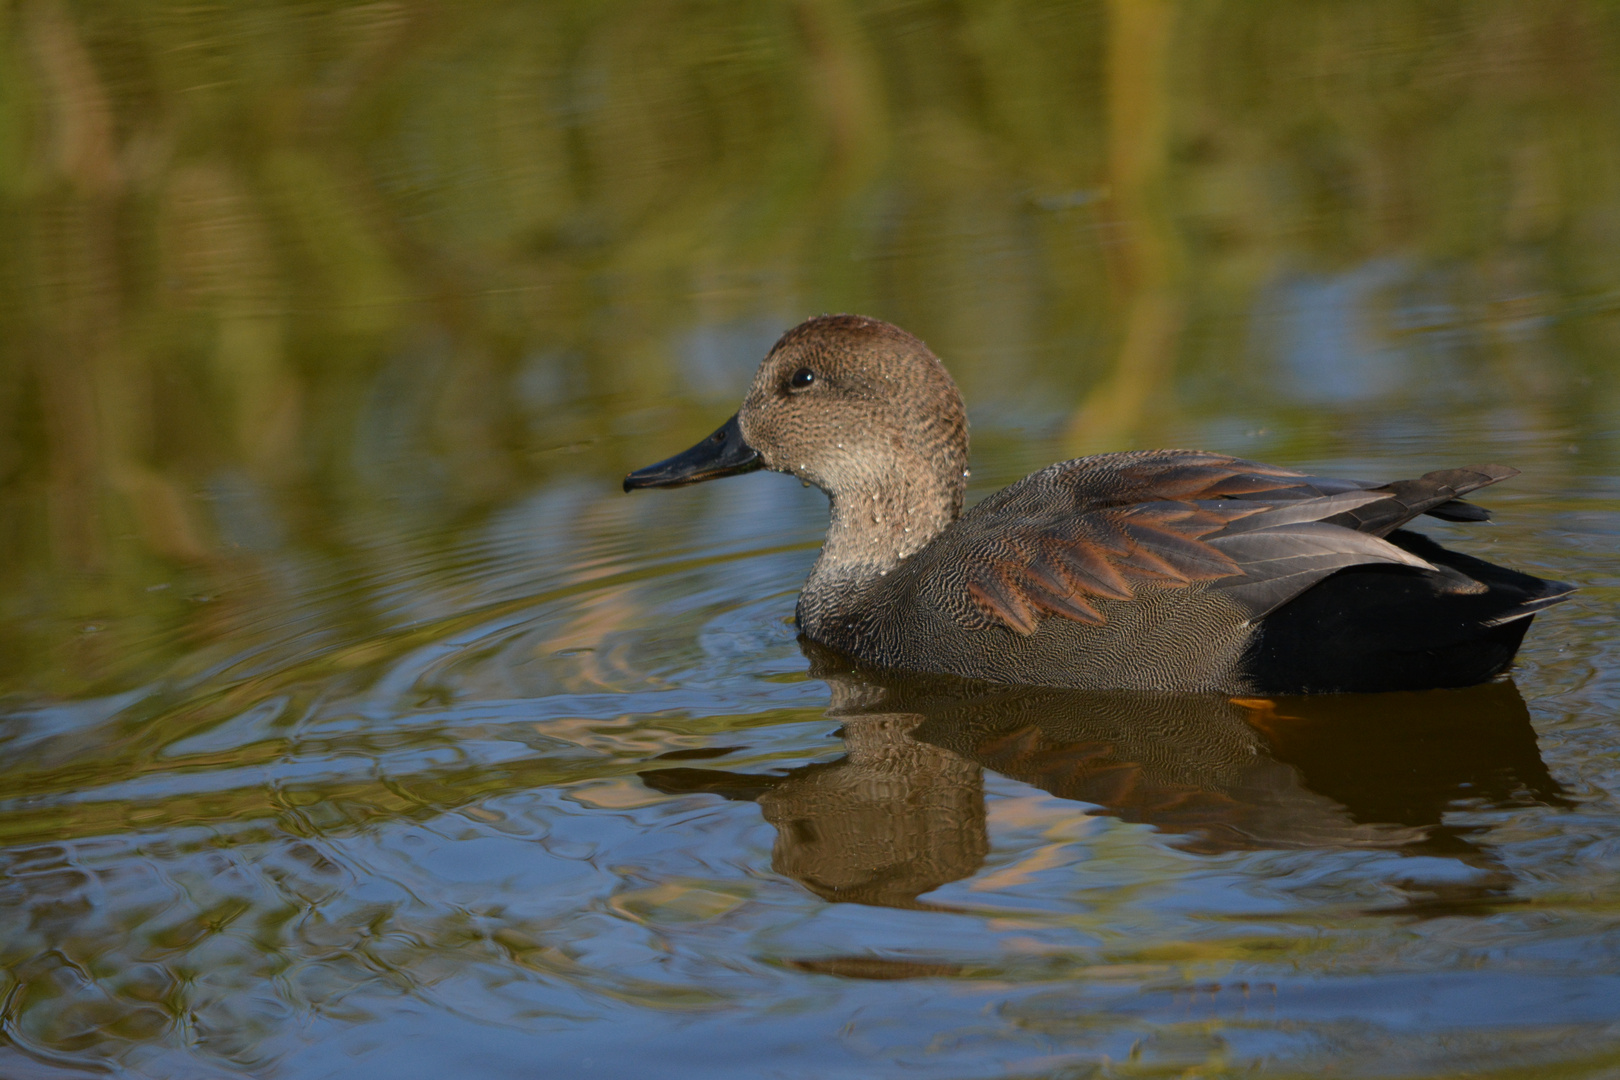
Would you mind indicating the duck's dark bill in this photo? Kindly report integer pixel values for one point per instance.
(722, 454)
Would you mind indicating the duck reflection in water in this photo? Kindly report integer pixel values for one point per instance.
(902, 813)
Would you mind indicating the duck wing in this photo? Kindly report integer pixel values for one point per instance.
(1065, 539)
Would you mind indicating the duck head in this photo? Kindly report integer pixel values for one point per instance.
(865, 412)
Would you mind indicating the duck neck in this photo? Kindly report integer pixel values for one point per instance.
(875, 527)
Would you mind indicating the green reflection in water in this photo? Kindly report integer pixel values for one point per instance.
(279, 279)
(330, 653)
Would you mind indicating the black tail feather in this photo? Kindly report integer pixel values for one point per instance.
(1458, 510)
(1381, 627)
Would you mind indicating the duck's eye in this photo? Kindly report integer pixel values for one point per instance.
(801, 379)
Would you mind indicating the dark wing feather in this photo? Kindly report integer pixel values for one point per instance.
(1433, 492)
(1187, 476)
(1098, 529)
(1180, 474)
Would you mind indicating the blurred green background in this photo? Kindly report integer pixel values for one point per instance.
(285, 276)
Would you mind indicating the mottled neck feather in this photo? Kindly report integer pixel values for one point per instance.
(876, 525)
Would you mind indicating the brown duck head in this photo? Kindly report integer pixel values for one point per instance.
(865, 412)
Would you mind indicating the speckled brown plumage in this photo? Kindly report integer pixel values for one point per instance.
(1149, 570)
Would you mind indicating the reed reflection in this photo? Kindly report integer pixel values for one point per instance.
(902, 813)
(286, 283)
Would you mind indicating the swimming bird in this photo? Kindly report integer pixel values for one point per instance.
(1144, 570)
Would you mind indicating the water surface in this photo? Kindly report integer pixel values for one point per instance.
(354, 723)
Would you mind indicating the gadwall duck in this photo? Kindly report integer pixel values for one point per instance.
(1149, 570)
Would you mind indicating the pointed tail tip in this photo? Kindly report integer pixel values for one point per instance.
(1559, 590)
(1552, 592)
(1495, 472)
(1470, 477)
(1492, 471)
(1556, 592)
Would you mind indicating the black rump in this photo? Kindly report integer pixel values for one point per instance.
(1378, 627)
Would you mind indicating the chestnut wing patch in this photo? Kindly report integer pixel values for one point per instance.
(1131, 520)
(1063, 566)
(1095, 529)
